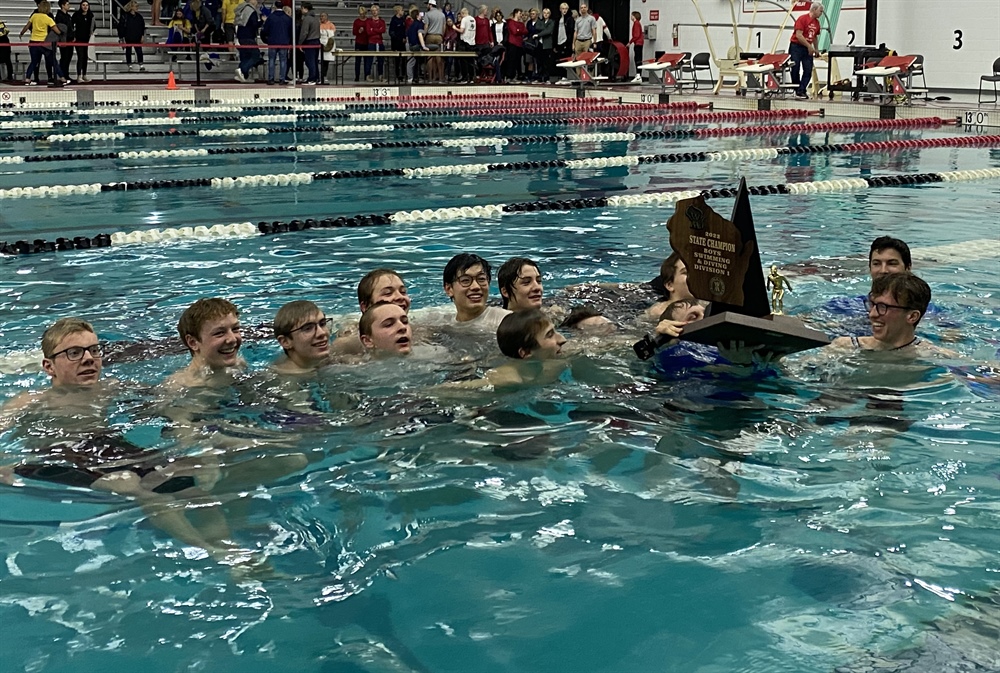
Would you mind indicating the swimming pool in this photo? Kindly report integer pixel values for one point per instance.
(835, 516)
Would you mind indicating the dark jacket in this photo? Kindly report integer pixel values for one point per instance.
(546, 32)
(247, 34)
(277, 29)
(131, 27)
(83, 26)
(397, 28)
(308, 28)
(65, 22)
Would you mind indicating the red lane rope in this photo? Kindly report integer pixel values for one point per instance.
(871, 124)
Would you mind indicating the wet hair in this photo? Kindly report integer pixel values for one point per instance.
(508, 274)
(200, 312)
(461, 263)
(578, 315)
(905, 289)
(674, 306)
(368, 317)
(889, 243)
(61, 329)
(367, 284)
(292, 314)
(667, 271)
(517, 331)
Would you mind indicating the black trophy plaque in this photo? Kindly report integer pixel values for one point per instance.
(723, 265)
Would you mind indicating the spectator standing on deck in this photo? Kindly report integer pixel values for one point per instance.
(40, 23)
(247, 27)
(277, 34)
(515, 30)
(83, 30)
(565, 27)
(483, 40)
(803, 47)
(397, 39)
(65, 22)
(376, 42)
(5, 51)
(637, 41)
(328, 38)
(132, 30)
(466, 43)
(546, 28)
(229, 20)
(309, 39)
(360, 40)
(434, 23)
(415, 40)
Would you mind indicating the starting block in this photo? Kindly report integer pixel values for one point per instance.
(891, 68)
(666, 66)
(765, 69)
(584, 65)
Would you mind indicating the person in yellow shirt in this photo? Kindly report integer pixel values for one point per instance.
(229, 19)
(40, 23)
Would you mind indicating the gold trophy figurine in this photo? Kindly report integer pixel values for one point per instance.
(777, 283)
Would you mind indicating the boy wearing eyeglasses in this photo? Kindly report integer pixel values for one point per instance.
(467, 284)
(303, 332)
(896, 304)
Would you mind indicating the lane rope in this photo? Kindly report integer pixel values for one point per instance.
(246, 229)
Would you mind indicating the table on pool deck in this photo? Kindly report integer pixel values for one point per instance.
(340, 64)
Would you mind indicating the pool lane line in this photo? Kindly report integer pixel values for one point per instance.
(548, 106)
(284, 179)
(491, 211)
(726, 155)
(680, 118)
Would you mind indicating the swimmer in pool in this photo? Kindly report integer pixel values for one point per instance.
(896, 304)
(520, 283)
(467, 283)
(587, 320)
(673, 280)
(303, 332)
(378, 285)
(210, 329)
(531, 338)
(90, 456)
(384, 329)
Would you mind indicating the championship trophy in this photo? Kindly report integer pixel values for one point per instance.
(724, 268)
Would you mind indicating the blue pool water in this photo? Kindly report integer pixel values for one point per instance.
(840, 516)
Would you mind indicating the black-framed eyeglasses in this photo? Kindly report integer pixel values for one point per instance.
(466, 281)
(882, 308)
(75, 353)
(311, 327)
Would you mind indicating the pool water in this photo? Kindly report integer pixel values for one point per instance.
(839, 516)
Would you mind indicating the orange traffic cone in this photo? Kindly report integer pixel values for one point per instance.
(171, 82)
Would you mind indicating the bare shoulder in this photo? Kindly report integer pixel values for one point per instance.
(841, 343)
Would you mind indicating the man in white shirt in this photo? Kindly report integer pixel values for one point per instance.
(467, 42)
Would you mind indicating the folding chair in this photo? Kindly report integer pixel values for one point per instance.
(668, 67)
(890, 68)
(586, 66)
(761, 74)
(995, 77)
(701, 62)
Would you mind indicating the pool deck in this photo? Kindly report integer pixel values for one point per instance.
(962, 106)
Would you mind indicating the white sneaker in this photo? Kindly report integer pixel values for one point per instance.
(142, 68)
(637, 79)
(85, 79)
(240, 77)
(130, 68)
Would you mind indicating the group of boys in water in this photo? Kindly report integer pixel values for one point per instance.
(210, 329)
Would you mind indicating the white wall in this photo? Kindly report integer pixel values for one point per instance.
(909, 26)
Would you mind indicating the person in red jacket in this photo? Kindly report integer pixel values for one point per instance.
(376, 29)
(483, 38)
(514, 32)
(637, 41)
(360, 40)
